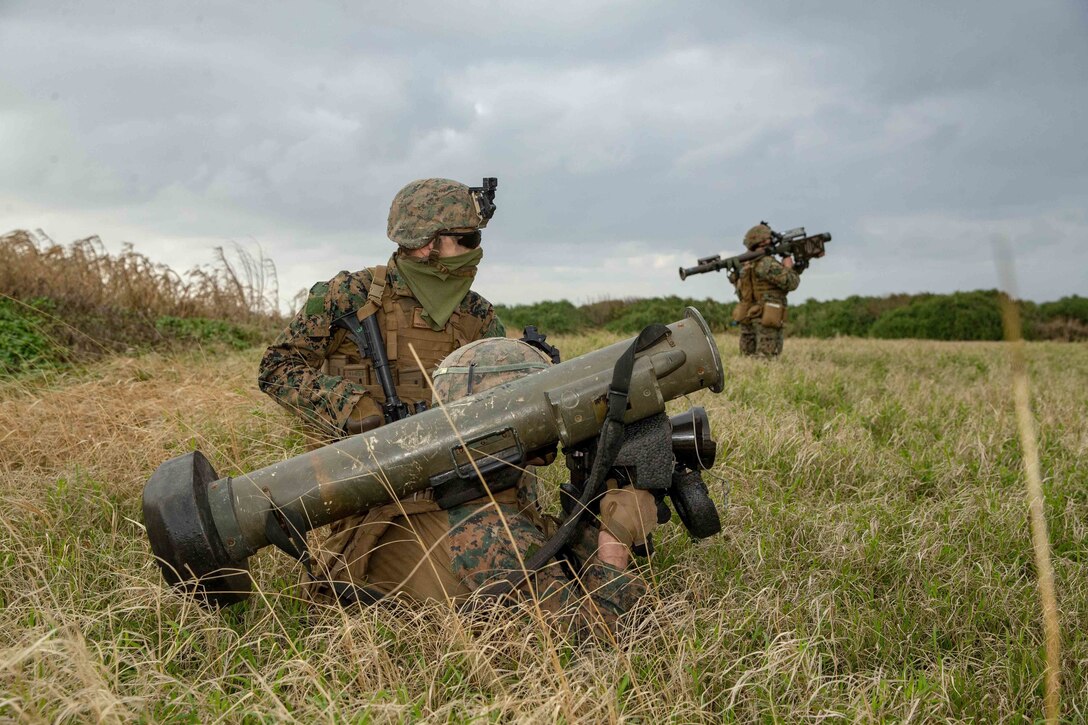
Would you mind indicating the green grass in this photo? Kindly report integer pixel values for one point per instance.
(875, 562)
(203, 331)
(23, 346)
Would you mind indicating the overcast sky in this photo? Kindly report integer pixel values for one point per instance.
(628, 137)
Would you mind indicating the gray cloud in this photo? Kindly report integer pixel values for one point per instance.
(629, 137)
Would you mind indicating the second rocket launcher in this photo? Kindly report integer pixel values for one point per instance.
(203, 528)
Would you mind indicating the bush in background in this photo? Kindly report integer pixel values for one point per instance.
(620, 316)
(66, 303)
(1065, 319)
(637, 314)
(205, 331)
(23, 347)
(957, 316)
(559, 318)
(853, 316)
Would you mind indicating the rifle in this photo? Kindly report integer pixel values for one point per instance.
(368, 337)
(796, 243)
(484, 197)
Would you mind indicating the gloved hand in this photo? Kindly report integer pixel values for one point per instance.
(366, 415)
(629, 514)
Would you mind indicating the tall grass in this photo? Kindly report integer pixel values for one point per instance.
(876, 560)
(88, 301)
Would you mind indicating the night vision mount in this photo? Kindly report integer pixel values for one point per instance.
(484, 197)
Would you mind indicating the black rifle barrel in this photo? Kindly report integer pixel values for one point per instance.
(394, 407)
(368, 336)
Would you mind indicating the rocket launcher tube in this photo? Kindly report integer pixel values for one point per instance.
(564, 404)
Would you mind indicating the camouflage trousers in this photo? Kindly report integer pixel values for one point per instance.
(758, 339)
(416, 549)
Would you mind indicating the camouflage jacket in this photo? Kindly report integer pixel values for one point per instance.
(765, 278)
(291, 369)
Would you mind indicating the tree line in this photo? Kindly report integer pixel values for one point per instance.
(972, 315)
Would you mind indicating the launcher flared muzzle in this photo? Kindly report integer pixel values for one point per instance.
(181, 526)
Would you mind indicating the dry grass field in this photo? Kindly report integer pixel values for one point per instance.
(875, 565)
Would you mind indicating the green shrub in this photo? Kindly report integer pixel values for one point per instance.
(205, 331)
(603, 311)
(1065, 319)
(853, 316)
(559, 318)
(637, 314)
(958, 316)
(834, 317)
(620, 316)
(1073, 307)
(24, 346)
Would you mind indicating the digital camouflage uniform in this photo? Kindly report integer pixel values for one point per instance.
(315, 370)
(420, 551)
(414, 548)
(762, 286)
(596, 593)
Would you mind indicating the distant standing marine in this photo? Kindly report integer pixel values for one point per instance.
(763, 282)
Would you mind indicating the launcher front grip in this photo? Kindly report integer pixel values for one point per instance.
(204, 528)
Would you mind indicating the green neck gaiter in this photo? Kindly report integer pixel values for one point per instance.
(440, 284)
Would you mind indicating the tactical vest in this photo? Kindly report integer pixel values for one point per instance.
(753, 292)
(401, 321)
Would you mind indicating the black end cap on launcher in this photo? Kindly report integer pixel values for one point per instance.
(183, 536)
(692, 444)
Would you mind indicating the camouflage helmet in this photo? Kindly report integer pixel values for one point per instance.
(757, 235)
(426, 207)
(484, 364)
